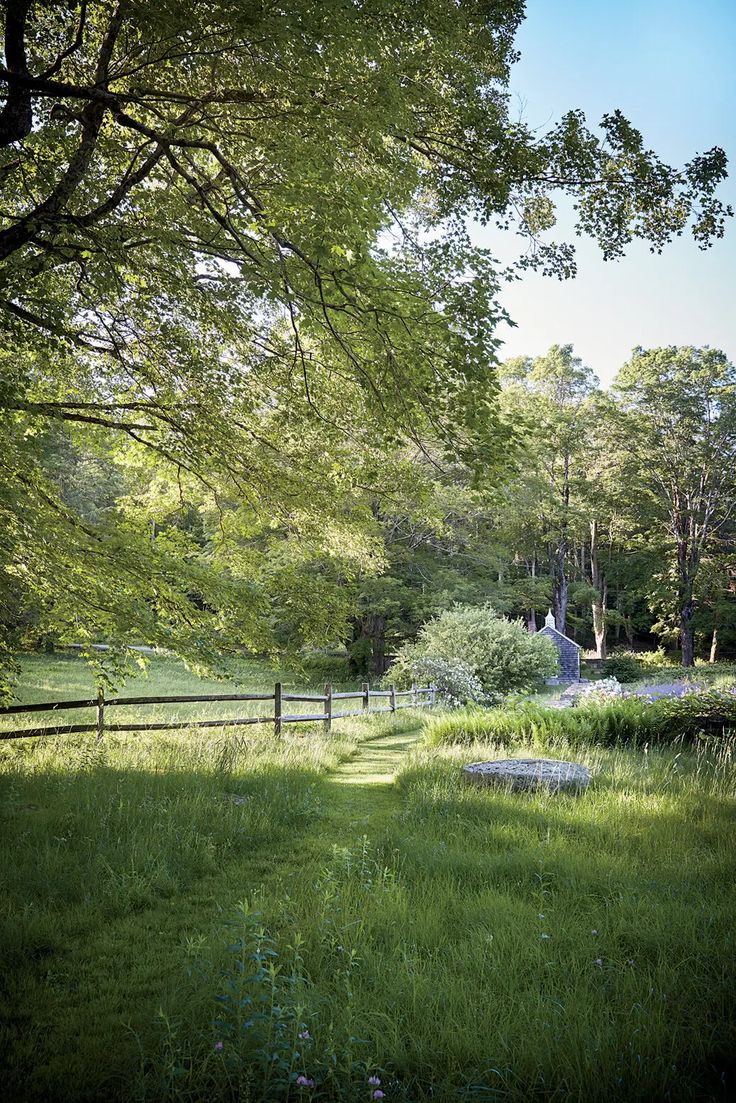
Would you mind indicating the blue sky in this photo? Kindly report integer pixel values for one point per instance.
(669, 66)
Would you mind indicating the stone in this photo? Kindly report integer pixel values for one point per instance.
(529, 773)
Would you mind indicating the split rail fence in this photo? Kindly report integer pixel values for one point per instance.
(419, 696)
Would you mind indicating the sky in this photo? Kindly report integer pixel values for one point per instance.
(669, 66)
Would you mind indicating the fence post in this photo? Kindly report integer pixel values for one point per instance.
(392, 689)
(328, 707)
(366, 696)
(277, 709)
(100, 713)
(413, 695)
(432, 692)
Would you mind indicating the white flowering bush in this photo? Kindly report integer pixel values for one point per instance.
(454, 680)
(600, 692)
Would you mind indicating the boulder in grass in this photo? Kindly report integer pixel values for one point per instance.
(530, 773)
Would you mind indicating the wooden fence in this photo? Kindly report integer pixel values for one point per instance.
(419, 696)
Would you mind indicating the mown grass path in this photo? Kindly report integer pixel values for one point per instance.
(361, 791)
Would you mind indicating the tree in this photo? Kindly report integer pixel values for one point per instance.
(679, 445)
(229, 230)
(552, 395)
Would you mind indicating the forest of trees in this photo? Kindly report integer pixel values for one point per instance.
(614, 508)
(249, 376)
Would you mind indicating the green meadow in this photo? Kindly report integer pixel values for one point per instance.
(215, 916)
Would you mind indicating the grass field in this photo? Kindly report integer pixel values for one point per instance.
(205, 918)
(65, 677)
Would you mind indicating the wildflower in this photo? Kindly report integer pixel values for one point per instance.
(219, 1046)
(599, 962)
(545, 936)
(379, 1094)
(304, 1082)
(541, 915)
(304, 1035)
(594, 933)
(374, 1081)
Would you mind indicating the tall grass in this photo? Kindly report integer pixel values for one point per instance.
(633, 720)
(488, 945)
(115, 859)
(209, 918)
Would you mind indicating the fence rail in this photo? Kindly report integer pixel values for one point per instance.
(420, 696)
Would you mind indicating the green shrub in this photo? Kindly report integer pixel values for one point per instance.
(501, 653)
(653, 660)
(633, 720)
(624, 667)
(320, 666)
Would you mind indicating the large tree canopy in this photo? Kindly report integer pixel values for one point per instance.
(234, 235)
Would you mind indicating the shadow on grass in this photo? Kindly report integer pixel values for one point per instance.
(108, 874)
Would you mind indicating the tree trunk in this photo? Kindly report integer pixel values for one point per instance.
(378, 640)
(599, 629)
(531, 620)
(713, 646)
(600, 585)
(687, 563)
(560, 587)
(560, 581)
(560, 596)
(687, 635)
(369, 629)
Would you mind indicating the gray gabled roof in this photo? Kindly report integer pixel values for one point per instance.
(554, 631)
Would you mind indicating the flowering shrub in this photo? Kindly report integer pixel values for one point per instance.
(607, 689)
(454, 680)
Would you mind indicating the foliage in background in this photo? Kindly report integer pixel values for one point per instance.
(677, 424)
(624, 667)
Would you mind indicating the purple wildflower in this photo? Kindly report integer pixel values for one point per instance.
(304, 1082)
(379, 1094)
(304, 1035)
(374, 1081)
(219, 1046)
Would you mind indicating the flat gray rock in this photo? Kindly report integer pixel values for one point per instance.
(529, 773)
